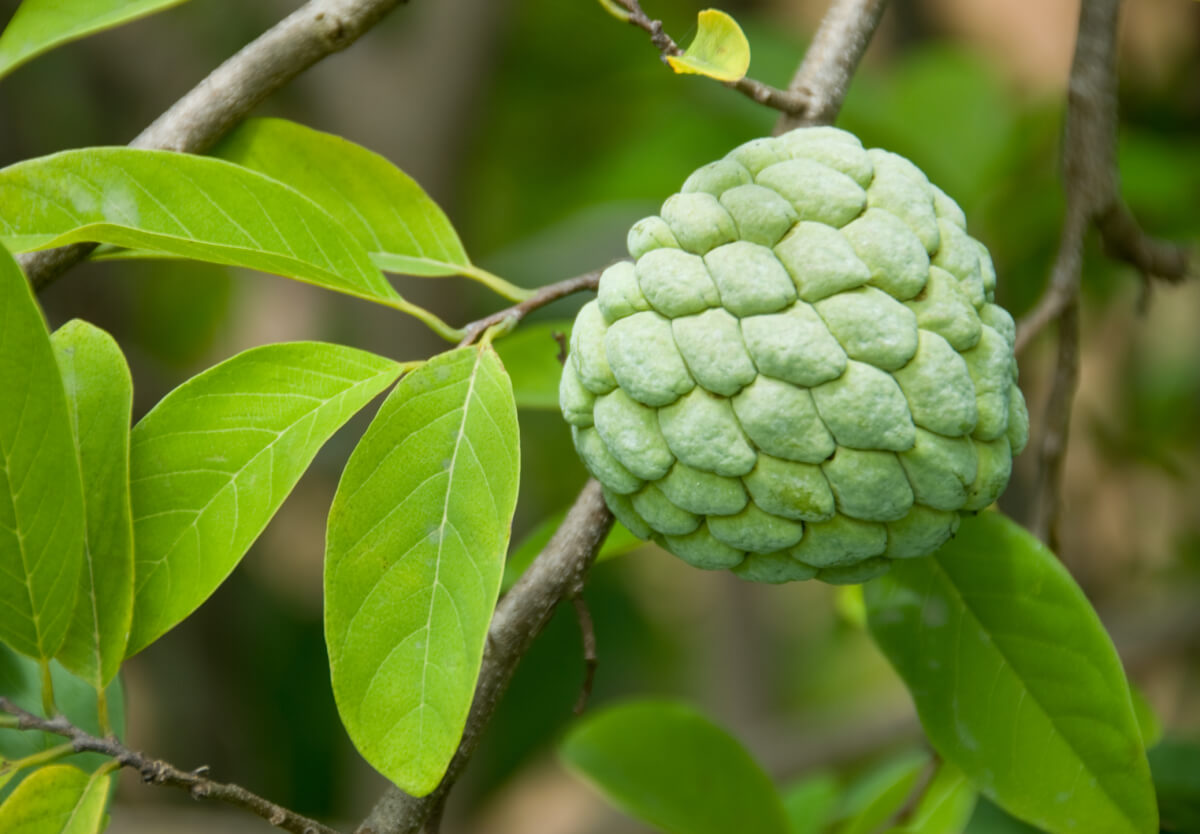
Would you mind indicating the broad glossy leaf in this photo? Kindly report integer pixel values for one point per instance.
(1015, 679)
(57, 799)
(668, 765)
(20, 681)
(40, 25)
(415, 549)
(945, 807)
(530, 356)
(389, 214)
(189, 206)
(41, 498)
(810, 802)
(1176, 767)
(618, 542)
(212, 462)
(99, 397)
(719, 51)
(878, 795)
(989, 818)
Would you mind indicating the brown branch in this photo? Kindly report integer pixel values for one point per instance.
(158, 772)
(1090, 174)
(556, 574)
(1093, 199)
(786, 101)
(193, 124)
(544, 296)
(829, 64)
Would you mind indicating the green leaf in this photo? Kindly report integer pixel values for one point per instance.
(213, 461)
(1148, 721)
(878, 795)
(20, 681)
(385, 209)
(1015, 679)
(41, 498)
(530, 356)
(945, 807)
(99, 397)
(810, 802)
(190, 206)
(719, 51)
(1176, 767)
(992, 819)
(40, 25)
(618, 542)
(415, 549)
(666, 764)
(58, 799)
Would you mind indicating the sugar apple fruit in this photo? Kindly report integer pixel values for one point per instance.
(802, 372)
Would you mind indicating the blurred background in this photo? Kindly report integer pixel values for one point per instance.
(545, 129)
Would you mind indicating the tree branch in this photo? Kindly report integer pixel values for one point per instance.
(544, 296)
(1090, 175)
(829, 64)
(557, 573)
(193, 124)
(158, 772)
(1093, 199)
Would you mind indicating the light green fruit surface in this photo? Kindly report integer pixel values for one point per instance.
(802, 372)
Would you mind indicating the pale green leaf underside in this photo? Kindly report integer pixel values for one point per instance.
(389, 214)
(41, 498)
(99, 393)
(40, 25)
(188, 206)
(1016, 681)
(213, 461)
(668, 765)
(415, 550)
(945, 807)
(57, 799)
(530, 356)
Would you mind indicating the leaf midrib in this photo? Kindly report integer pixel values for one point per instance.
(458, 440)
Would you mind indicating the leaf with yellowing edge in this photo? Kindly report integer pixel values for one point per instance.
(719, 51)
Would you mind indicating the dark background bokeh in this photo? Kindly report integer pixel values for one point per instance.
(545, 129)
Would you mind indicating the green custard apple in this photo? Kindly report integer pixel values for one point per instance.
(802, 372)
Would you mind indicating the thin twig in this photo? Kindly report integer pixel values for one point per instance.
(544, 296)
(783, 100)
(193, 124)
(558, 572)
(823, 78)
(587, 630)
(158, 772)
(1090, 175)
(1093, 199)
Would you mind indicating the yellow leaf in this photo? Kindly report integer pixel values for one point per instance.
(615, 9)
(719, 51)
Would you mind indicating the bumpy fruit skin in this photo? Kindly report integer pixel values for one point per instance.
(802, 373)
